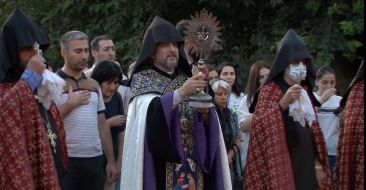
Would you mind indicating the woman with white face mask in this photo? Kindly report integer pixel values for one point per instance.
(287, 148)
(328, 120)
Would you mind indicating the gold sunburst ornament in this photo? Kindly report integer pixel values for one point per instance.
(203, 34)
(202, 37)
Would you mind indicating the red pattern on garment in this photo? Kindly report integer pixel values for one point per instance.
(26, 160)
(55, 114)
(269, 163)
(349, 173)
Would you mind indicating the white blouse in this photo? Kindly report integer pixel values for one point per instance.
(234, 101)
(329, 122)
(243, 114)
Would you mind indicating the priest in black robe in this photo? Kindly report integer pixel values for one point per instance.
(168, 144)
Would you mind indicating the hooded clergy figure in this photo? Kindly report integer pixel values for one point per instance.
(169, 145)
(32, 138)
(349, 169)
(287, 148)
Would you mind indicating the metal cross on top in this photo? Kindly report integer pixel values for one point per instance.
(52, 136)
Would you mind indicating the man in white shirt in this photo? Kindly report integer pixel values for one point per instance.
(82, 110)
(102, 48)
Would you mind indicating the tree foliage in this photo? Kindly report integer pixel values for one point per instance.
(250, 28)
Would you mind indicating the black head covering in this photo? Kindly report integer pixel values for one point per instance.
(290, 48)
(19, 31)
(160, 31)
(359, 76)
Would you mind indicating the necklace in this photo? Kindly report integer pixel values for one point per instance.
(51, 135)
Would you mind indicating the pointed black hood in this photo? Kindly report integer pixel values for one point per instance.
(291, 47)
(160, 31)
(359, 76)
(19, 31)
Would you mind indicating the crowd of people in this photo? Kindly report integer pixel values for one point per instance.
(108, 129)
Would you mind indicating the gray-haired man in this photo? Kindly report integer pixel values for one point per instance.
(82, 109)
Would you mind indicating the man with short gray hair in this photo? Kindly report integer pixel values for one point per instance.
(82, 109)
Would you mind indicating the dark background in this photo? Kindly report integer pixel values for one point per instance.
(251, 29)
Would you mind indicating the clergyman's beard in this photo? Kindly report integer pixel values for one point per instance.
(172, 61)
(166, 65)
(171, 64)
